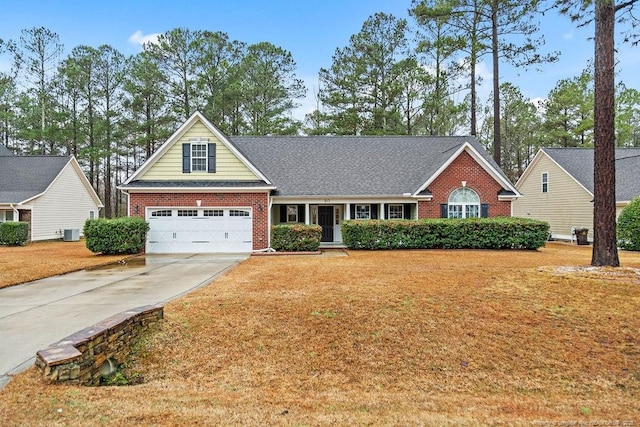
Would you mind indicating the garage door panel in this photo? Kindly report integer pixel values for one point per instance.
(170, 233)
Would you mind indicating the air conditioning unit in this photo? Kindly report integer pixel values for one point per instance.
(71, 235)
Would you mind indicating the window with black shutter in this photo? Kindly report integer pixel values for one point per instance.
(198, 155)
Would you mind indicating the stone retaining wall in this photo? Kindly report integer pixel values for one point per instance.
(81, 357)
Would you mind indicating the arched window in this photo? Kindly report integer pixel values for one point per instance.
(464, 203)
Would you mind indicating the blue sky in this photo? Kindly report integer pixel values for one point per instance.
(310, 29)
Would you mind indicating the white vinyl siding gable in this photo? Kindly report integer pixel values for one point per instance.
(65, 205)
(566, 203)
(228, 166)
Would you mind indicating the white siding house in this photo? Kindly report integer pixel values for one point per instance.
(50, 192)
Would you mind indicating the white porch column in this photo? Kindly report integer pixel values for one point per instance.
(381, 213)
(347, 211)
(307, 217)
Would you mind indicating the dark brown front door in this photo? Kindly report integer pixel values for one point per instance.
(325, 220)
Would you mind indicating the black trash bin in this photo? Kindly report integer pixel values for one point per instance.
(581, 236)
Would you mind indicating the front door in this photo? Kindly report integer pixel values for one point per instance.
(325, 220)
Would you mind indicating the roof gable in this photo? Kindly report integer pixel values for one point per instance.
(23, 178)
(482, 158)
(165, 163)
(579, 163)
(359, 165)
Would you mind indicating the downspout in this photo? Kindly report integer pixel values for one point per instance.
(268, 248)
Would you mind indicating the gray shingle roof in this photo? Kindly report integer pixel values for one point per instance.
(351, 165)
(579, 163)
(23, 177)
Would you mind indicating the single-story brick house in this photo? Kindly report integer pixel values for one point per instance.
(203, 191)
(558, 188)
(51, 193)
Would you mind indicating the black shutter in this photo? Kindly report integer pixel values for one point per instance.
(283, 213)
(407, 211)
(386, 211)
(211, 158)
(301, 213)
(374, 211)
(186, 158)
(352, 211)
(444, 210)
(484, 210)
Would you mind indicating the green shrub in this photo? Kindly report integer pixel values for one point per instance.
(296, 238)
(115, 236)
(14, 233)
(472, 233)
(628, 231)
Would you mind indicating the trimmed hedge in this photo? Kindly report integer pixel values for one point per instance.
(471, 233)
(628, 230)
(296, 238)
(14, 233)
(115, 236)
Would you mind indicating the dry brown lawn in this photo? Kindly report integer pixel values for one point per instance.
(379, 338)
(20, 264)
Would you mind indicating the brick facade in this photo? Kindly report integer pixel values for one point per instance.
(259, 202)
(464, 168)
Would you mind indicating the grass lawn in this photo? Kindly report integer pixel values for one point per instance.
(36, 260)
(379, 338)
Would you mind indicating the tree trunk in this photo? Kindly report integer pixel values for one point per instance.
(496, 83)
(605, 251)
(474, 59)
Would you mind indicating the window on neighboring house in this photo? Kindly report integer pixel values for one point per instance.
(198, 157)
(363, 211)
(6, 216)
(464, 203)
(396, 211)
(292, 213)
(91, 214)
(545, 182)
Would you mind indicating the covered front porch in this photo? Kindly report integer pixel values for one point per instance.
(329, 214)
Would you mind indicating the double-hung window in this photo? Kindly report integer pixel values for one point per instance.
(198, 157)
(545, 182)
(292, 213)
(396, 211)
(363, 211)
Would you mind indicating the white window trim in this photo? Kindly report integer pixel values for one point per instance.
(395, 205)
(544, 182)
(358, 211)
(192, 157)
(464, 205)
(292, 211)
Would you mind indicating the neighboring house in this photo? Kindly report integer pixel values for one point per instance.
(202, 191)
(558, 187)
(49, 192)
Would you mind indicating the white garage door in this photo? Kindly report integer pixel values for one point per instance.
(200, 230)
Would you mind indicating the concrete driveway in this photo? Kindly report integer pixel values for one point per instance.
(37, 314)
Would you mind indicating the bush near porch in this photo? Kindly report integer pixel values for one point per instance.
(296, 238)
(470, 233)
